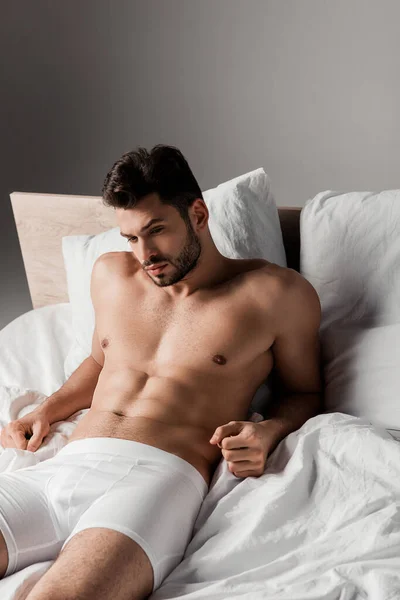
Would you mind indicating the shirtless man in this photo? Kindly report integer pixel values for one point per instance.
(178, 353)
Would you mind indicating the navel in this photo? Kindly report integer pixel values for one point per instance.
(219, 359)
(117, 413)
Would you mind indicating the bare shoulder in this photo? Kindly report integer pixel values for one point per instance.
(110, 269)
(117, 263)
(284, 289)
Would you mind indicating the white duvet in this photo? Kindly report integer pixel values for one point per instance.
(322, 522)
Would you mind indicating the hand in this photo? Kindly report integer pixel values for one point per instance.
(246, 445)
(26, 433)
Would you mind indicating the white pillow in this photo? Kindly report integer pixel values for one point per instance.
(350, 253)
(33, 348)
(243, 222)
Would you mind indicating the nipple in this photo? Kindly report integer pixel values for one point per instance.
(104, 343)
(219, 359)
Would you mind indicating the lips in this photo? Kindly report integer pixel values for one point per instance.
(155, 268)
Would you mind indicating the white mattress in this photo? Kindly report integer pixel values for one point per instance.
(322, 522)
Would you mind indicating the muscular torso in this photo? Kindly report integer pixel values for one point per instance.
(176, 370)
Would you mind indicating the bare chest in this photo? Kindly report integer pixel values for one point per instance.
(221, 333)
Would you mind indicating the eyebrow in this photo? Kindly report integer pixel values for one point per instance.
(149, 224)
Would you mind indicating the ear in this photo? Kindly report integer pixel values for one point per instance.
(199, 214)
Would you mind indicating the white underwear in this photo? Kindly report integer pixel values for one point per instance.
(146, 493)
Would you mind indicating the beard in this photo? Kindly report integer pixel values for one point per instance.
(185, 262)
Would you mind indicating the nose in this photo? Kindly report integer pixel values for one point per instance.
(147, 255)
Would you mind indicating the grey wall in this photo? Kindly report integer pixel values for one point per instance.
(308, 89)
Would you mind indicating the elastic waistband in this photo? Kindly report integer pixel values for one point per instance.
(136, 451)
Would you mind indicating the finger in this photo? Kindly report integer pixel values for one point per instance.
(237, 455)
(245, 469)
(34, 443)
(234, 442)
(250, 473)
(230, 429)
(8, 441)
(36, 438)
(19, 439)
(240, 466)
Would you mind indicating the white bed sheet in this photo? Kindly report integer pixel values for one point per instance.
(33, 348)
(322, 522)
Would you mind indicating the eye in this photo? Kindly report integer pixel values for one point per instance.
(152, 231)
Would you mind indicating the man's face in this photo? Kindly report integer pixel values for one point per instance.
(171, 241)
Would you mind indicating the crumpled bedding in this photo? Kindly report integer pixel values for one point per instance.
(14, 403)
(321, 523)
(33, 348)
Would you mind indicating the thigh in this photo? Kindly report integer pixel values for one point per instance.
(26, 523)
(156, 507)
(105, 564)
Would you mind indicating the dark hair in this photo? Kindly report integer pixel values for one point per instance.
(163, 170)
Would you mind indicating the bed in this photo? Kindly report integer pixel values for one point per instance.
(322, 522)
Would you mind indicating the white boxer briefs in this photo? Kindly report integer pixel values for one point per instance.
(148, 494)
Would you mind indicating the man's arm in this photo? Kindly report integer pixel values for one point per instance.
(297, 372)
(77, 392)
(295, 316)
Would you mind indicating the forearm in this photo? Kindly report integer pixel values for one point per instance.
(76, 393)
(291, 411)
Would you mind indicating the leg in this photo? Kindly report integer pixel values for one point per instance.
(28, 532)
(3, 556)
(97, 563)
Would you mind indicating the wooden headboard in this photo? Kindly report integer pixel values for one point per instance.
(43, 219)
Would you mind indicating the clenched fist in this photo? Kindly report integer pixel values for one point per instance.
(26, 433)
